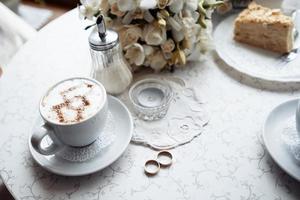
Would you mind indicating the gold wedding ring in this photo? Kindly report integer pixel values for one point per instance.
(163, 159)
(152, 167)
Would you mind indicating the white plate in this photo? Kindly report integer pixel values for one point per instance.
(251, 60)
(123, 131)
(272, 131)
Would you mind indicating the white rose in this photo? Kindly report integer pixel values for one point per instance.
(128, 5)
(192, 4)
(147, 62)
(188, 45)
(176, 5)
(148, 16)
(130, 35)
(114, 24)
(115, 10)
(135, 54)
(168, 46)
(227, 6)
(104, 5)
(210, 1)
(190, 28)
(149, 50)
(131, 15)
(190, 13)
(162, 4)
(205, 39)
(191, 31)
(175, 23)
(154, 34)
(138, 14)
(148, 4)
(176, 26)
(89, 8)
(178, 36)
(126, 20)
(91, 3)
(168, 56)
(158, 62)
(112, 1)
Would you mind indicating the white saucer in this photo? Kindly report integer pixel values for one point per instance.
(123, 130)
(273, 128)
(253, 61)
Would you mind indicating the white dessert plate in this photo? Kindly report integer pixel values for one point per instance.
(272, 132)
(123, 133)
(253, 61)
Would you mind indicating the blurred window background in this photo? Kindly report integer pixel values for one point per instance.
(39, 12)
(20, 19)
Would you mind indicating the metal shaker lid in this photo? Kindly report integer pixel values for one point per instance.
(102, 39)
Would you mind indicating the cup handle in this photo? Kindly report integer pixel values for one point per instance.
(38, 136)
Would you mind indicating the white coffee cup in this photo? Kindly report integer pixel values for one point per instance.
(76, 134)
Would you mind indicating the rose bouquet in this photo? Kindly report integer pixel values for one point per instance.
(161, 34)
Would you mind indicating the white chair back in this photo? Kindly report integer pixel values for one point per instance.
(14, 32)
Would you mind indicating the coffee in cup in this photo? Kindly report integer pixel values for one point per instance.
(74, 113)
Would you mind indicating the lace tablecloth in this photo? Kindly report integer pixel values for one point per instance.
(227, 161)
(184, 121)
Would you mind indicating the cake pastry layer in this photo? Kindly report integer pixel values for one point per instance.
(264, 27)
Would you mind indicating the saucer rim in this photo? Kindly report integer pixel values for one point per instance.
(267, 142)
(254, 74)
(110, 161)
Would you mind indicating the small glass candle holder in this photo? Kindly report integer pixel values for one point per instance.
(150, 98)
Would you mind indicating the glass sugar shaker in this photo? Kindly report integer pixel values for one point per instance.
(108, 64)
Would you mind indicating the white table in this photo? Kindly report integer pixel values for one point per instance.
(228, 161)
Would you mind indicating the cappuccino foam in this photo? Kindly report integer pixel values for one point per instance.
(72, 101)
